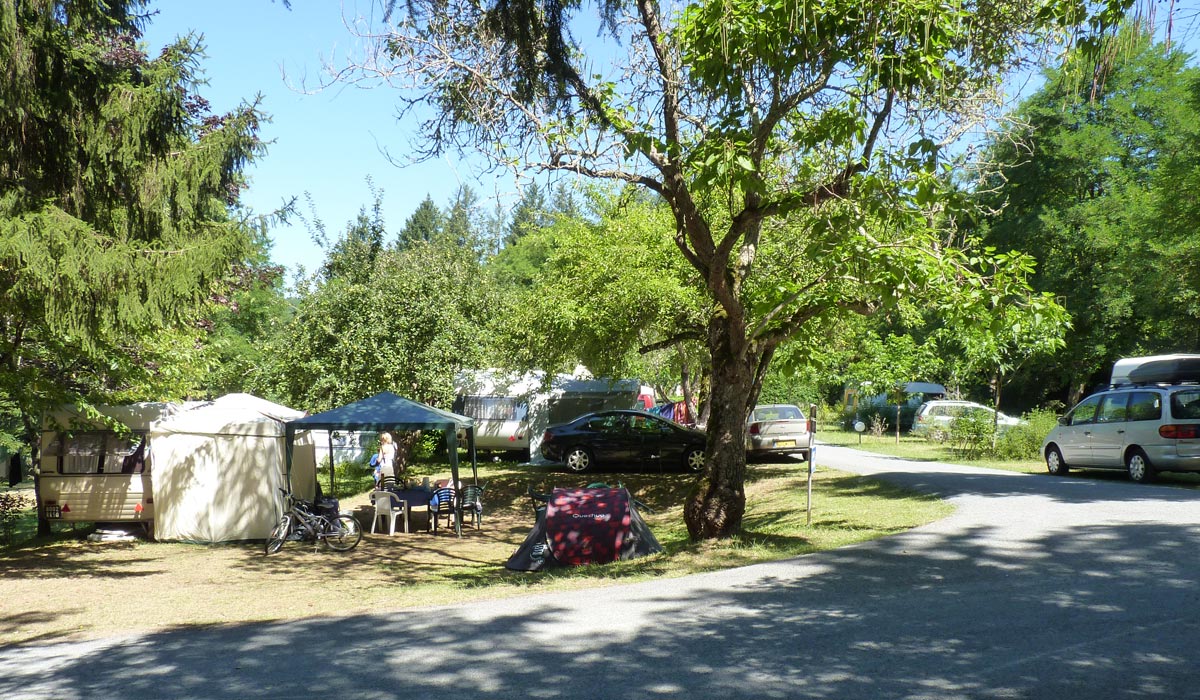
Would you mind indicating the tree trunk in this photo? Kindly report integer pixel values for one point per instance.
(715, 507)
(33, 439)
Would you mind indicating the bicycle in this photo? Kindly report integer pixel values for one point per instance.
(340, 533)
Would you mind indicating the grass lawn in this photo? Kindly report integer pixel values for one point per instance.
(919, 449)
(67, 587)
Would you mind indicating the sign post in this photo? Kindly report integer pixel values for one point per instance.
(812, 458)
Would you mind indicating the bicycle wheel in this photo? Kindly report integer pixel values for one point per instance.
(279, 534)
(343, 533)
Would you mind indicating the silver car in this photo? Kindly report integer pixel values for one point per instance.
(776, 429)
(1139, 429)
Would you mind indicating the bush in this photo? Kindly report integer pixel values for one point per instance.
(12, 506)
(971, 434)
(1025, 441)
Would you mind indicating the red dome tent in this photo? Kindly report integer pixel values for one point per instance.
(585, 526)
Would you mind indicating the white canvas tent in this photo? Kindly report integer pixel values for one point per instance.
(218, 468)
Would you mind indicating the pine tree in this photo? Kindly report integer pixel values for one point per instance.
(117, 196)
(425, 225)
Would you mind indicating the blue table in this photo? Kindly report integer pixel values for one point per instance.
(418, 498)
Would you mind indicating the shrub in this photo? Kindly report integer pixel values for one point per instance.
(12, 506)
(1025, 441)
(971, 434)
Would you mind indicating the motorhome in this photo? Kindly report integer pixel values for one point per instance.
(511, 410)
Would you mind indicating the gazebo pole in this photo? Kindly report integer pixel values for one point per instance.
(452, 449)
(332, 488)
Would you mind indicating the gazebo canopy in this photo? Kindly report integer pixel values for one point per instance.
(390, 412)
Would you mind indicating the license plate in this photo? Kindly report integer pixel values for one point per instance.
(785, 443)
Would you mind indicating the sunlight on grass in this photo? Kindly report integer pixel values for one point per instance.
(919, 449)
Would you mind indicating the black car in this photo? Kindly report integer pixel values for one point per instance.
(623, 437)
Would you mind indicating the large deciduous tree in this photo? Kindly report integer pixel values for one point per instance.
(1094, 182)
(408, 325)
(749, 119)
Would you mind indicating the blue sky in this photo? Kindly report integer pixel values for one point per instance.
(325, 144)
(328, 144)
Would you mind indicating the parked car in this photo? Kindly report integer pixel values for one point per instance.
(623, 437)
(1141, 429)
(775, 429)
(935, 417)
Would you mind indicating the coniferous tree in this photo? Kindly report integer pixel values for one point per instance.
(117, 193)
(353, 256)
(459, 228)
(425, 224)
(529, 215)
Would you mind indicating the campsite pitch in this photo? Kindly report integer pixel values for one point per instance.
(70, 588)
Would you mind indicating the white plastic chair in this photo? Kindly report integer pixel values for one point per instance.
(385, 507)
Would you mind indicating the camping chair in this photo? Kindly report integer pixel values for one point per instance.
(385, 507)
(444, 506)
(537, 501)
(472, 503)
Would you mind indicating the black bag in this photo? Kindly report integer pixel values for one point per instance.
(328, 507)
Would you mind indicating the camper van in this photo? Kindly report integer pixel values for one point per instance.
(512, 410)
(90, 473)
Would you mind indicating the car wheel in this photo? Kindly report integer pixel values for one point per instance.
(1054, 462)
(693, 459)
(1138, 466)
(580, 459)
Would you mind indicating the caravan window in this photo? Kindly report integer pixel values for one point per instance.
(97, 453)
(493, 408)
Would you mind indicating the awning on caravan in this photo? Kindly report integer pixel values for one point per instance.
(388, 411)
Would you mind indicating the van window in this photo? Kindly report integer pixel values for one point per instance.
(1145, 405)
(1185, 405)
(1112, 410)
(1085, 412)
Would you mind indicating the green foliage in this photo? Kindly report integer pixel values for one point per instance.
(118, 218)
(971, 434)
(530, 214)
(409, 330)
(13, 506)
(353, 257)
(1092, 183)
(605, 291)
(423, 226)
(1024, 441)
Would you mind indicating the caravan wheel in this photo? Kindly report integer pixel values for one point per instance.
(580, 459)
